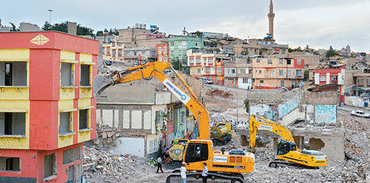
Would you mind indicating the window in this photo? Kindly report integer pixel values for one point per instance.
(219, 70)
(196, 152)
(67, 74)
(242, 71)
(205, 60)
(165, 58)
(10, 164)
(368, 82)
(260, 71)
(113, 52)
(361, 82)
(83, 119)
(198, 71)
(164, 49)
(159, 117)
(85, 75)
(281, 72)
(272, 73)
(210, 61)
(191, 60)
(15, 74)
(208, 69)
(198, 60)
(171, 43)
(154, 53)
(12, 123)
(182, 117)
(50, 165)
(299, 62)
(288, 73)
(299, 73)
(281, 61)
(120, 53)
(333, 78)
(65, 122)
(196, 44)
(269, 61)
(108, 50)
(245, 80)
(258, 60)
(288, 61)
(159, 50)
(160, 58)
(322, 78)
(233, 71)
(71, 155)
(261, 81)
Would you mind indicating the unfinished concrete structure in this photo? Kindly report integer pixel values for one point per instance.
(310, 115)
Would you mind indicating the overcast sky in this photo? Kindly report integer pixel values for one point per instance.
(317, 23)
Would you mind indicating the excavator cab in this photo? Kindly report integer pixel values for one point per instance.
(286, 146)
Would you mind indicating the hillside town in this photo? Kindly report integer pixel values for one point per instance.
(114, 106)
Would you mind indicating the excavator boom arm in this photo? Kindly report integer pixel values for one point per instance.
(271, 126)
(155, 69)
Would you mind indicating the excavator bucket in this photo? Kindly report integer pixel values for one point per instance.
(101, 82)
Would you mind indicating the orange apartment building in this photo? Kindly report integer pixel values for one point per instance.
(47, 109)
(272, 73)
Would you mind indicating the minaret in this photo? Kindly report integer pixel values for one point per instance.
(271, 16)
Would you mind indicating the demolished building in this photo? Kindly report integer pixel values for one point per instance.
(311, 116)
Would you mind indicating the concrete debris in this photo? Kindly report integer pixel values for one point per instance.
(102, 166)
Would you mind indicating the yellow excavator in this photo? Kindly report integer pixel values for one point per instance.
(221, 165)
(287, 152)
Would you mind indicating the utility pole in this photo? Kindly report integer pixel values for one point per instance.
(50, 10)
(237, 108)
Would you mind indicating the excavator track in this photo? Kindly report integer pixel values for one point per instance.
(283, 163)
(176, 177)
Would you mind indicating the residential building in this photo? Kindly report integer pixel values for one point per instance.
(140, 36)
(140, 53)
(272, 73)
(178, 46)
(230, 74)
(138, 116)
(47, 109)
(162, 52)
(113, 51)
(206, 64)
(332, 75)
(244, 72)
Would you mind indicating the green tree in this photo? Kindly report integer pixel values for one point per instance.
(331, 53)
(99, 33)
(198, 34)
(47, 26)
(306, 74)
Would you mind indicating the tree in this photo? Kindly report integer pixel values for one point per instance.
(306, 74)
(198, 34)
(63, 27)
(47, 26)
(331, 53)
(99, 33)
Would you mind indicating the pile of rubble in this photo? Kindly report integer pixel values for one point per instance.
(102, 166)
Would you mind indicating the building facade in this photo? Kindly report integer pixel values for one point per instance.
(47, 109)
(272, 73)
(162, 52)
(178, 46)
(332, 76)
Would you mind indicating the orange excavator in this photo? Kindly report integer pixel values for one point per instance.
(221, 165)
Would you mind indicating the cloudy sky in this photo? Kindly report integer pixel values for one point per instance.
(317, 23)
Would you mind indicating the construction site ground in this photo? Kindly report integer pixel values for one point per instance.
(221, 102)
